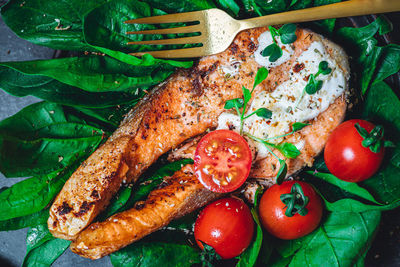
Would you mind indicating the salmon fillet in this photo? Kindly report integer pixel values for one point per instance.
(180, 194)
(185, 106)
(312, 138)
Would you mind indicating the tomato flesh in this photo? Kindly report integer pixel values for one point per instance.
(345, 156)
(272, 212)
(222, 161)
(226, 225)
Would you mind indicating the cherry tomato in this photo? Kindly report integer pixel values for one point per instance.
(273, 211)
(226, 225)
(346, 157)
(222, 161)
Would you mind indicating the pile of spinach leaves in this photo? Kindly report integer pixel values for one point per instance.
(85, 98)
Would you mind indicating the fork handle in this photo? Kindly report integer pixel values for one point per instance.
(338, 10)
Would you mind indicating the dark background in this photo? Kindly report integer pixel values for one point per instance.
(385, 250)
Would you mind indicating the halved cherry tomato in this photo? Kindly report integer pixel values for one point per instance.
(273, 211)
(346, 157)
(222, 161)
(226, 225)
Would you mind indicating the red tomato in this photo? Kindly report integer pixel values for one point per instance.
(345, 156)
(222, 161)
(226, 225)
(272, 212)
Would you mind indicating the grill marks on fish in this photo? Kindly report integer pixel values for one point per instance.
(181, 194)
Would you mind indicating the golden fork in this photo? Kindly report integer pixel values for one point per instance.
(217, 29)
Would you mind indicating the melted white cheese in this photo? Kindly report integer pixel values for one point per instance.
(286, 103)
(264, 40)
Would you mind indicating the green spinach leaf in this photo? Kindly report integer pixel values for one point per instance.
(389, 62)
(36, 236)
(250, 255)
(56, 24)
(155, 254)
(354, 199)
(19, 84)
(42, 249)
(25, 221)
(96, 73)
(367, 53)
(47, 253)
(229, 6)
(382, 106)
(40, 139)
(32, 195)
(104, 29)
(339, 241)
(181, 6)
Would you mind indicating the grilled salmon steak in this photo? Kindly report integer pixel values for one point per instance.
(180, 194)
(187, 105)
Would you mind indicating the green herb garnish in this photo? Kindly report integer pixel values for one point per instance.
(287, 149)
(241, 103)
(287, 33)
(314, 85)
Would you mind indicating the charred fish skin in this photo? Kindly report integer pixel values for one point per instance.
(187, 105)
(180, 194)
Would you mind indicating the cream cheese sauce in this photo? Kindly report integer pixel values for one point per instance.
(285, 101)
(264, 40)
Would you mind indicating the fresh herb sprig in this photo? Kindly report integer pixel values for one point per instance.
(241, 103)
(314, 85)
(287, 33)
(287, 149)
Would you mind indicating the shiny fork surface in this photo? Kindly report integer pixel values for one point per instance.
(217, 29)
